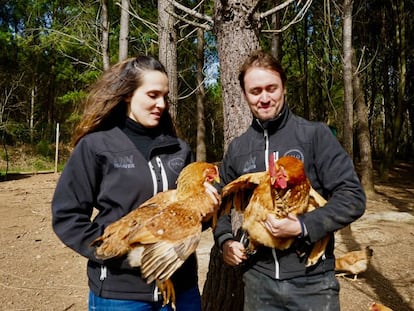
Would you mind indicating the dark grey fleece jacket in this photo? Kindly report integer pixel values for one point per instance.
(106, 171)
(330, 171)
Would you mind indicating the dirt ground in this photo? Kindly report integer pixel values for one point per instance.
(37, 272)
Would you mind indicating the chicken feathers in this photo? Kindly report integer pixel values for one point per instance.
(283, 189)
(164, 231)
(375, 306)
(354, 263)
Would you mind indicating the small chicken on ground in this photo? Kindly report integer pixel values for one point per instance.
(354, 263)
(375, 306)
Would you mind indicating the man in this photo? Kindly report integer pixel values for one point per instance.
(274, 279)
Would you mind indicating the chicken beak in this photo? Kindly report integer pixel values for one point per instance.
(217, 175)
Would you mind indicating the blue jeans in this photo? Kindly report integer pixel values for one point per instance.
(308, 293)
(188, 300)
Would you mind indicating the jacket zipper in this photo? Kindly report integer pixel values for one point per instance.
(154, 178)
(159, 176)
(163, 174)
(266, 137)
(103, 273)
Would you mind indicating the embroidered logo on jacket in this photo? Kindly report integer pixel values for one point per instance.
(176, 165)
(295, 153)
(124, 162)
(249, 165)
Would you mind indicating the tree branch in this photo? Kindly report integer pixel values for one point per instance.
(275, 9)
(151, 26)
(195, 24)
(192, 12)
(295, 20)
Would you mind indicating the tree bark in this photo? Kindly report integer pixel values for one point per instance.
(223, 289)
(276, 45)
(201, 127)
(394, 117)
(348, 92)
(364, 141)
(105, 34)
(124, 31)
(167, 39)
(237, 37)
(305, 96)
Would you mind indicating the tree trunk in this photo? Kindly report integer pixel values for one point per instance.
(32, 113)
(105, 34)
(400, 102)
(124, 30)
(366, 168)
(276, 45)
(201, 127)
(348, 92)
(223, 289)
(305, 97)
(167, 39)
(236, 39)
(394, 121)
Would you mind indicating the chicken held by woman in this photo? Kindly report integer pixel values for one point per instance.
(164, 231)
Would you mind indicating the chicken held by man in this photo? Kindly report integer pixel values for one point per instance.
(282, 191)
(164, 231)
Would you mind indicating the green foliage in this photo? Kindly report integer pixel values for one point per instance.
(16, 131)
(43, 149)
(51, 50)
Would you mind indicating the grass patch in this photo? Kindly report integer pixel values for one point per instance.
(31, 159)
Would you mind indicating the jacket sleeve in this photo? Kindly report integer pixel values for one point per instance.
(337, 181)
(73, 201)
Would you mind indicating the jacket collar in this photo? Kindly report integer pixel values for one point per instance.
(274, 124)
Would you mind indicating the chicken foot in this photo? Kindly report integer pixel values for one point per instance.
(168, 293)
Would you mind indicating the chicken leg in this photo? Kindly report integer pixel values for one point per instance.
(168, 293)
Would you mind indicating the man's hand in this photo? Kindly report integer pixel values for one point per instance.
(234, 253)
(283, 228)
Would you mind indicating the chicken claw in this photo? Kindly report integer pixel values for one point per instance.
(168, 293)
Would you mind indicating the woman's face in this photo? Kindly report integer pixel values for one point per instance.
(264, 92)
(149, 101)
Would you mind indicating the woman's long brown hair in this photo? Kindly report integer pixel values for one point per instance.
(105, 106)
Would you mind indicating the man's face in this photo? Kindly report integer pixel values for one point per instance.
(264, 92)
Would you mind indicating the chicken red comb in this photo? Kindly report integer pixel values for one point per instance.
(272, 164)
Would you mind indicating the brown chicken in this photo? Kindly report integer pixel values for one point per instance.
(375, 306)
(353, 263)
(164, 231)
(282, 190)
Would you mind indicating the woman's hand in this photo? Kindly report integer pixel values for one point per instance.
(215, 197)
(212, 192)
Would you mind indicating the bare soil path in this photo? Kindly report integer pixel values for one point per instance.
(37, 272)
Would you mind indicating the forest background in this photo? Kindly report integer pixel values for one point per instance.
(349, 64)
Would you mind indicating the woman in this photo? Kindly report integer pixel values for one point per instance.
(125, 151)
